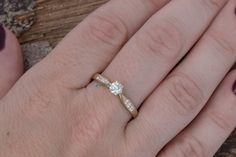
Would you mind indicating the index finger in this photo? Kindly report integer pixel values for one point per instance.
(90, 46)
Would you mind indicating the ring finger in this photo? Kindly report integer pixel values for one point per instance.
(154, 50)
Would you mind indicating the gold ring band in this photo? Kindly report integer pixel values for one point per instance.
(116, 88)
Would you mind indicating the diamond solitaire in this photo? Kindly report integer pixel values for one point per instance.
(116, 88)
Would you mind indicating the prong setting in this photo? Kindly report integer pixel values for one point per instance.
(116, 88)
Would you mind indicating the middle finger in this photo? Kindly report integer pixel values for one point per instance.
(181, 96)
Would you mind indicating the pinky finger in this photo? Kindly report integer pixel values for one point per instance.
(209, 130)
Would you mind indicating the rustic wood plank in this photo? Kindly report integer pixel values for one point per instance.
(55, 18)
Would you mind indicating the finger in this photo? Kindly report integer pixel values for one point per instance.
(153, 51)
(186, 90)
(89, 47)
(206, 134)
(11, 62)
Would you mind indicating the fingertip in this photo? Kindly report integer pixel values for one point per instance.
(11, 43)
(11, 62)
(11, 51)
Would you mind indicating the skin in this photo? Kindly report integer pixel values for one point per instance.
(186, 109)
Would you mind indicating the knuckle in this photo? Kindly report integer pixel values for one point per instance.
(220, 121)
(107, 29)
(154, 130)
(191, 146)
(153, 3)
(89, 126)
(163, 40)
(150, 4)
(184, 93)
(41, 102)
(223, 45)
(87, 131)
(212, 4)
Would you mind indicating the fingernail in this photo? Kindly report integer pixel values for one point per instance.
(2, 37)
(234, 87)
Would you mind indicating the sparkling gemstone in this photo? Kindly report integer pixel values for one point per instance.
(116, 88)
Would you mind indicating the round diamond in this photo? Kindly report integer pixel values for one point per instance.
(116, 88)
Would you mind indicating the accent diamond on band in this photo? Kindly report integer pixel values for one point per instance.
(116, 88)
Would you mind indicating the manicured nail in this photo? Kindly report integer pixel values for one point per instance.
(2, 38)
(234, 88)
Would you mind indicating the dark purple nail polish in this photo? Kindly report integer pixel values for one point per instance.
(234, 88)
(2, 37)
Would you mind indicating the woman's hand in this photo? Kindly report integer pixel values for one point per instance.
(54, 111)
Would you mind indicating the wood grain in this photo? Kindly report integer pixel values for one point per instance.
(55, 18)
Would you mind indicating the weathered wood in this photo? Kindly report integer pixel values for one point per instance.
(55, 18)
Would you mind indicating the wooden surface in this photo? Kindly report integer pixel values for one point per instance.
(55, 18)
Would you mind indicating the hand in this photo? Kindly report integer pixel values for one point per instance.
(54, 111)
